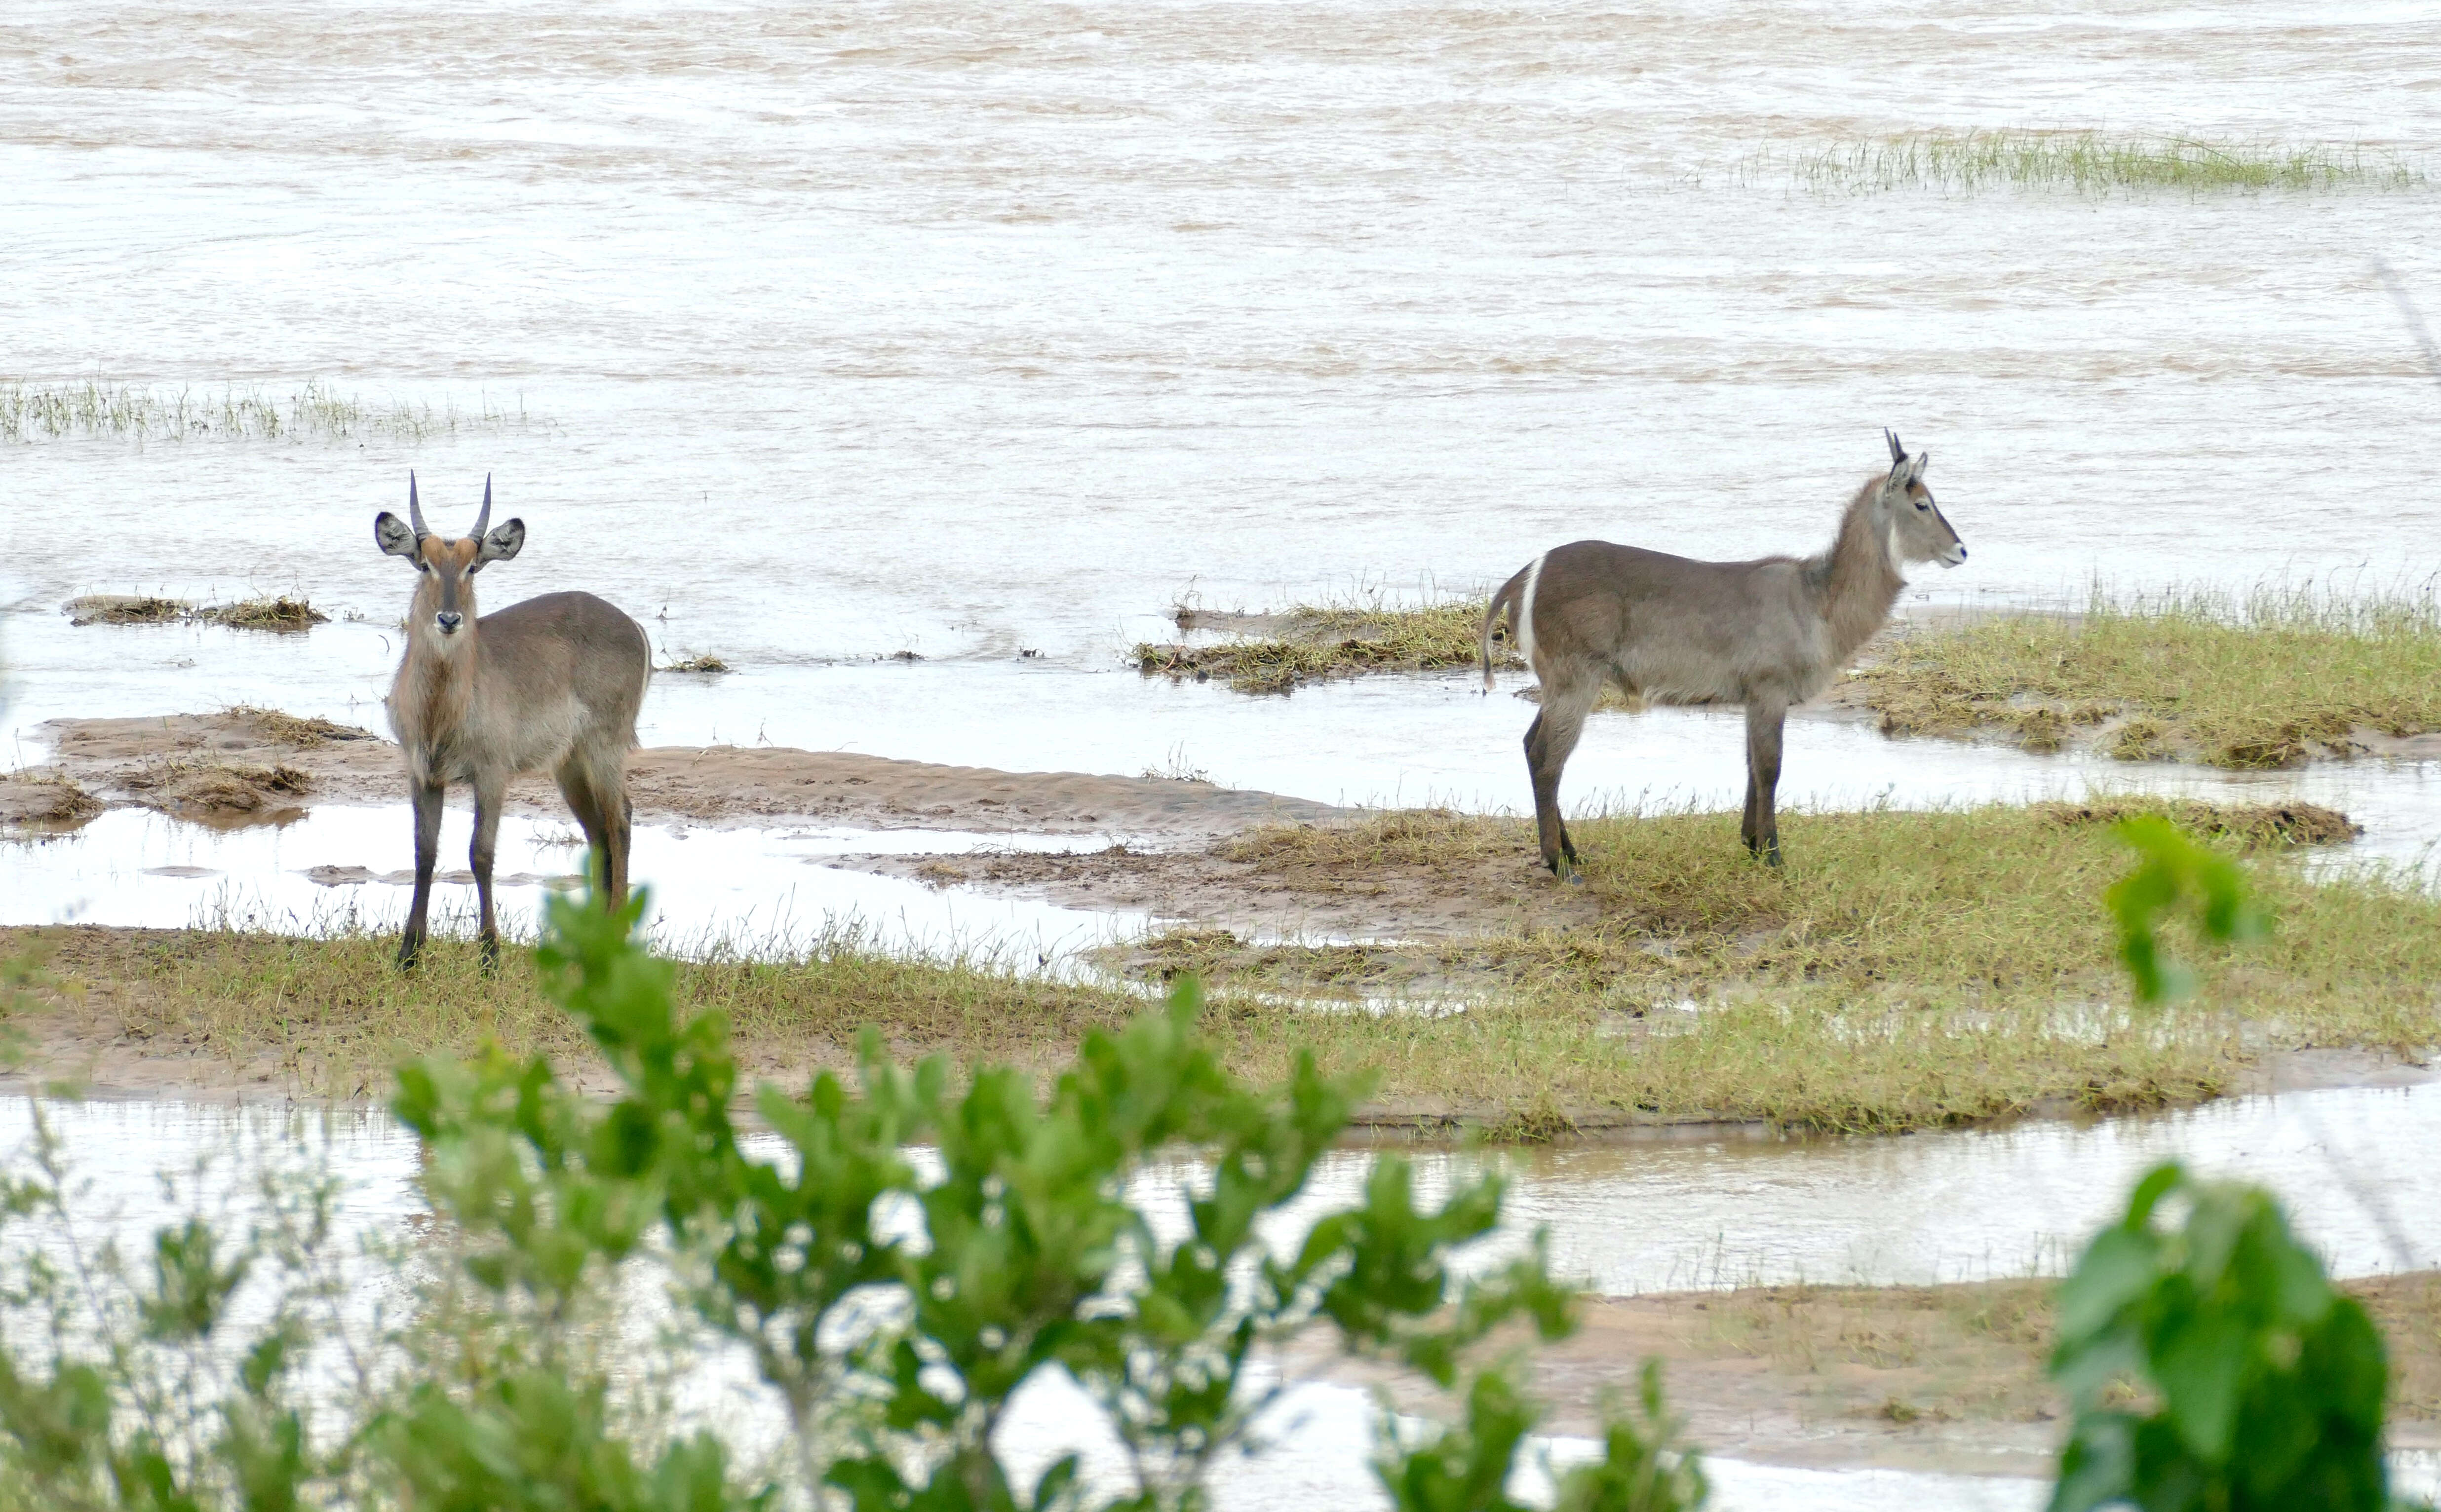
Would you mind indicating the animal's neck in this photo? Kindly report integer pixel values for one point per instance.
(434, 688)
(1857, 580)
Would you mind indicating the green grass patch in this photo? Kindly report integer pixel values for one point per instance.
(1905, 970)
(313, 411)
(2084, 162)
(1312, 644)
(336, 1011)
(2265, 681)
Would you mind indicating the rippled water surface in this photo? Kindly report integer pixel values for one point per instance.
(968, 331)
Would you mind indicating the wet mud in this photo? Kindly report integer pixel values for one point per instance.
(1926, 1379)
(237, 763)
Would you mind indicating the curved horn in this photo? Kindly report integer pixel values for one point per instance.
(484, 519)
(1898, 452)
(415, 509)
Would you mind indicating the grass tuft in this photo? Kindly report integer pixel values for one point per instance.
(315, 411)
(282, 614)
(124, 608)
(44, 799)
(701, 665)
(1314, 643)
(2265, 680)
(2085, 162)
(2252, 825)
(300, 730)
(225, 786)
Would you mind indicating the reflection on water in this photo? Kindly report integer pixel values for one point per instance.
(767, 892)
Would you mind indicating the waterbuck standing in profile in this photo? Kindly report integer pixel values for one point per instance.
(1767, 634)
(552, 683)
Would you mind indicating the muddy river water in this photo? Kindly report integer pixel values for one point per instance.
(984, 336)
(914, 357)
(1698, 1214)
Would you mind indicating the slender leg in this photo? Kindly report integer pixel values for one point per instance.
(588, 809)
(427, 855)
(1765, 723)
(1549, 741)
(623, 834)
(1746, 830)
(491, 789)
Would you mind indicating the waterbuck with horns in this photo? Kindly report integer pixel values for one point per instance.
(552, 683)
(1767, 634)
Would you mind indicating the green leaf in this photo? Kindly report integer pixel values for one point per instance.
(2173, 873)
(2202, 1373)
(2116, 1268)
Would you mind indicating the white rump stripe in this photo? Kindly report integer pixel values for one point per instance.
(1526, 610)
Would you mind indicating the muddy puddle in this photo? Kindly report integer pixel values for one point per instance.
(1655, 1217)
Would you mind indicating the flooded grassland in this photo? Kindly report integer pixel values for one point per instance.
(899, 368)
(1906, 968)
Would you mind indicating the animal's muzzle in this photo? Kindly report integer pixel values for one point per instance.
(448, 623)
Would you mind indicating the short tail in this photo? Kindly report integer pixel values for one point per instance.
(1504, 598)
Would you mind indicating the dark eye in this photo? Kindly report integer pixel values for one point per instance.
(1923, 504)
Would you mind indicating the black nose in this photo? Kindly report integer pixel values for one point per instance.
(449, 622)
(1962, 552)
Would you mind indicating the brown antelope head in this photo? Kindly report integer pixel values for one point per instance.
(444, 599)
(1913, 523)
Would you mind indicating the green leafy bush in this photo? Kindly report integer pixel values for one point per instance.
(2211, 1366)
(2214, 1367)
(894, 1302)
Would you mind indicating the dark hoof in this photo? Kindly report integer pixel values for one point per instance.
(406, 954)
(491, 947)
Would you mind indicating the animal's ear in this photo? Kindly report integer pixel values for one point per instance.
(1921, 461)
(395, 537)
(502, 543)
